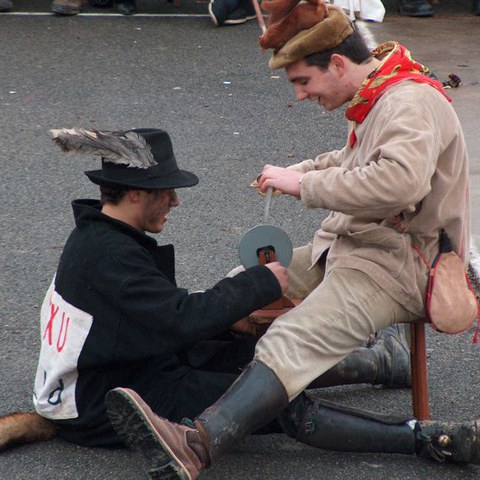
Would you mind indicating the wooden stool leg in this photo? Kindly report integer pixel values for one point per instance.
(421, 407)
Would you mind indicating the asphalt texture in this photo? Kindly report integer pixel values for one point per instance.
(228, 115)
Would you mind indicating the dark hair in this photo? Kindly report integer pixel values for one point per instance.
(112, 195)
(115, 195)
(353, 47)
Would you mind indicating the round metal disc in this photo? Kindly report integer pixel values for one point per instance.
(265, 236)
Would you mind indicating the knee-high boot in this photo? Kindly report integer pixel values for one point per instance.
(183, 450)
(329, 426)
(385, 360)
(323, 424)
(256, 398)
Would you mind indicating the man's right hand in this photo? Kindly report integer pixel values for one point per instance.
(280, 273)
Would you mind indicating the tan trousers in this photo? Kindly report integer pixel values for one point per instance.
(338, 313)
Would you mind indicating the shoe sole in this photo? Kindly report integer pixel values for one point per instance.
(239, 21)
(134, 427)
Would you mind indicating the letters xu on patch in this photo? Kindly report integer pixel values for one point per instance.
(64, 330)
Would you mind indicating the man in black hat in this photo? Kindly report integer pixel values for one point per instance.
(114, 317)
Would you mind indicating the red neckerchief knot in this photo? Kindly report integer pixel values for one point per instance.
(397, 66)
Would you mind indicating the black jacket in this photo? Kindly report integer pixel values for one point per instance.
(141, 318)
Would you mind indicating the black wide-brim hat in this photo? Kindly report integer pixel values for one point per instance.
(165, 174)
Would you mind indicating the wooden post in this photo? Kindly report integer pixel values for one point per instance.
(418, 356)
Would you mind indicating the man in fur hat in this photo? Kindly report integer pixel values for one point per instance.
(399, 180)
(114, 316)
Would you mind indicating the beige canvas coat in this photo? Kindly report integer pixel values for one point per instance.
(405, 179)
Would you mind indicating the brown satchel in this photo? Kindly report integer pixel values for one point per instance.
(451, 305)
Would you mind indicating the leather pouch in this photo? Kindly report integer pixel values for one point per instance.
(451, 305)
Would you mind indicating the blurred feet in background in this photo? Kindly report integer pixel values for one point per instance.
(6, 5)
(415, 8)
(230, 12)
(66, 7)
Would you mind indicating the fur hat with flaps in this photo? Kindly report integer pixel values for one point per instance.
(135, 159)
(298, 29)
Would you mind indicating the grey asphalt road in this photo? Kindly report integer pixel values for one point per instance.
(228, 115)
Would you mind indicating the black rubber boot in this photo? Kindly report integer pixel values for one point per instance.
(455, 442)
(384, 361)
(255, 399)
(329, 426)
(476, 7)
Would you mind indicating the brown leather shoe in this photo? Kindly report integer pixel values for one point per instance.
(171, 449)
(67, 7)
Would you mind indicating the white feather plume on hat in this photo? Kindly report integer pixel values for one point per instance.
(122, 148)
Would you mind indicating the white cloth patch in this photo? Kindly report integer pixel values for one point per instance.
(64, 330)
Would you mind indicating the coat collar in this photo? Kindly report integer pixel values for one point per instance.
(86, 211)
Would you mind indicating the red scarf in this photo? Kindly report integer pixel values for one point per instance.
(398, 66)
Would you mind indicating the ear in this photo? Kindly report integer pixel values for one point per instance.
(133, 196)
(339, 64)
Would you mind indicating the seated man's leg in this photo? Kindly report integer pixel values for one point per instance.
(303, 278)
(253, 401)
(198, 386)
(336, 318)
(323, 424)
(384, 360)
(189, 395)
(222, 355)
